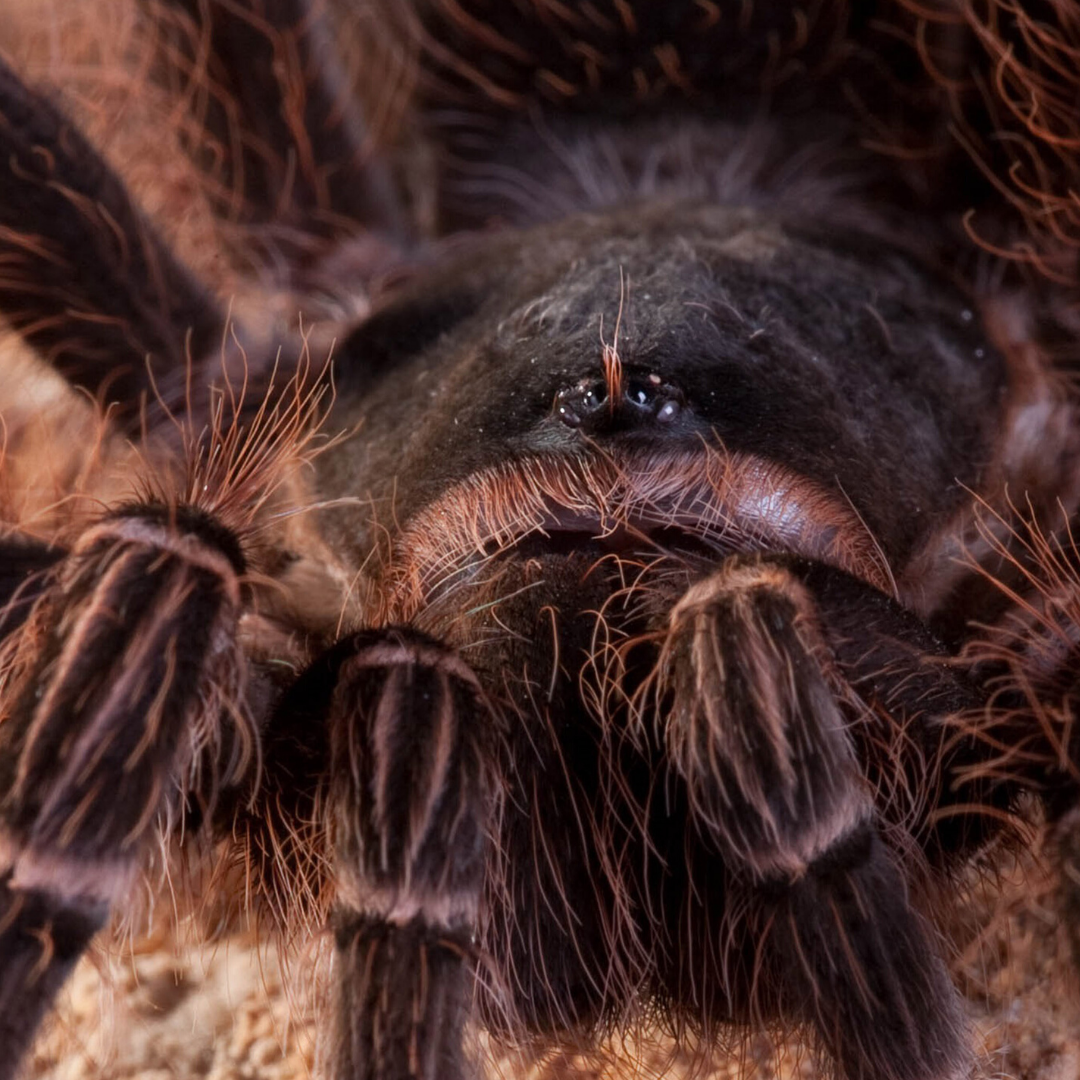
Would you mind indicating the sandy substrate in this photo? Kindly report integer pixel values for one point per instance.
(223, 1013)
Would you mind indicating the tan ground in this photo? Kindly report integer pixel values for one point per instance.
(223, 1013)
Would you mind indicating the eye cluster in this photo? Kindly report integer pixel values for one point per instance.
(635, 399)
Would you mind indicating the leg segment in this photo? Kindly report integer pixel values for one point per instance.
(759, 732)
(23, 565)
(41, 938)
(291, 146)
(1030, 658)
(409, 805)
(85, 279)
(112, 709)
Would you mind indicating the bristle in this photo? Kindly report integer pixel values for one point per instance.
(610, 359)
(1017, 119)
(1030, 656)
(278, 129)
(726, 498)
(256, 441)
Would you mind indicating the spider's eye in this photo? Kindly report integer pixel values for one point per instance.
(668, 411)
(593, 398)
(643, 399)
(574, 404)
(652, 395)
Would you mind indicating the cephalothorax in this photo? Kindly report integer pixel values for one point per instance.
(644, 622)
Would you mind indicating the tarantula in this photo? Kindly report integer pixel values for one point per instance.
(667, 586)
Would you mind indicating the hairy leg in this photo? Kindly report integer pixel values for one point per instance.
(87, 281)
(280, 129)
(112, 713)
(759, 730)
(23, 565)
(408, 804)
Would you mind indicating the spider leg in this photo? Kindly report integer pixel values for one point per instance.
(23, 562)
(279, 116)
(86, 280)
(913, 738)
(112, 715)
(408, 805)
(1030, 658)
(40, 940)
(760, 733)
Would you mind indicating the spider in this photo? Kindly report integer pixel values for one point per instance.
(667, 587)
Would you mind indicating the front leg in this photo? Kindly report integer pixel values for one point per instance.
(759, 730)
(408, 806)
(116, 686)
